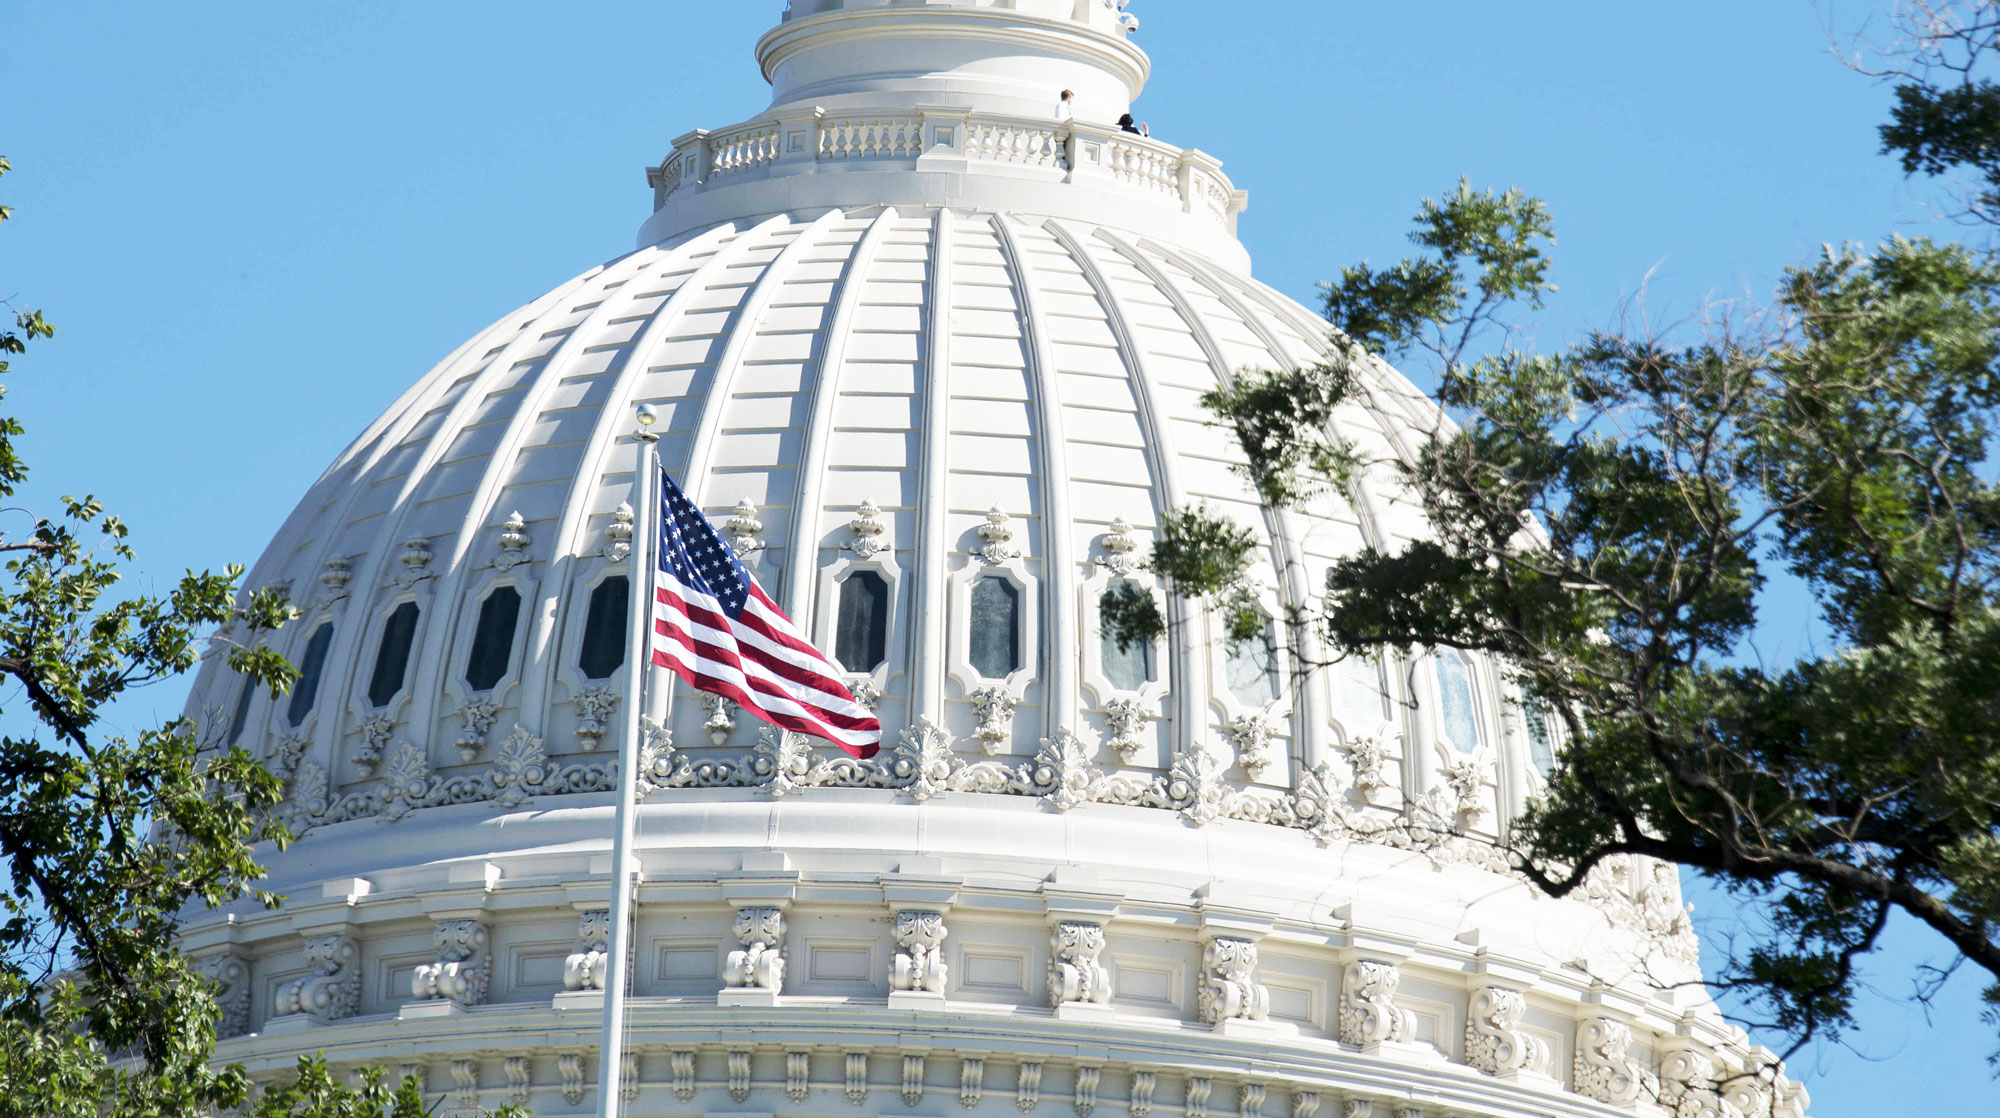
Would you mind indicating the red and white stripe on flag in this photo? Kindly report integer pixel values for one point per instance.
(717, 629)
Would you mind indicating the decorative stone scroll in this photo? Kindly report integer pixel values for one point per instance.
(1250, 736)
(1603, 1069)
(463, 969)
(1124, 721)
(570, 1066)
(1369, 1014)
(798, 1075)
(913, 1079)
(1495, 1042)
(1085, 1096)
(995, 708)
(1075, 975)
(585, 968)
(333, 990)
(1229, 988)
(919, 964)
(760, 963)
(477, 715)
(376, 730)
(519, 1079)
(1250, 1100)
(1028, 1090)
(857, 1078)
(231, 975)
(743, 529)
(1140, 1102)
(594, 707)
(514, 541)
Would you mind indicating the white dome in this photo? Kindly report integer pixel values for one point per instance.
(980, 383)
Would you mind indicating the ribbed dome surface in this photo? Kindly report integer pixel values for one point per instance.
(948, 367)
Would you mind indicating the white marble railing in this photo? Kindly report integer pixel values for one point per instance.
(948, 139)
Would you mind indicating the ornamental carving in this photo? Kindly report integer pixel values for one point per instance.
(416, 563)
(1075, 975)
(1369, 1014)
(1688, 1088)
(333, 580)
(514, 541)
(971, 1082)
(798, 1075)
(1062, 765)
(1085, 1095)
(463, 969)
(1124, 721)
(1495, 1042)
(996, 538)
(1229, 989)
(738, 1064)
(230, 974)
(376, 730)
(919, 964)
(477, 715)
(333, 990)
(465, 1076)
(406, 782)
(681, 1067)
(1467, 781)
(618, 535)
(1603, 1068)
(1028, 1090)
(1250, 736)
(594, 706)
(1140, 1101)
(857, 1078)
(995, 708)
(1121, 550)
(743, 529)
(913, 1079)
(1250, 1100)
(760, 963)
(870, 532)
(1370, 757)
(1198, 1089)
(585, 968)
(721, 717)
(519, 1079)
(570, 1066)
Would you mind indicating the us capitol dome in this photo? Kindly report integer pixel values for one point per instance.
(930, 358)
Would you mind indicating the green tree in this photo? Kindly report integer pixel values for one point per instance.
(1609, 519)
(106, 839)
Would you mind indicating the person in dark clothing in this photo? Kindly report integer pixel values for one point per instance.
(1125, 125)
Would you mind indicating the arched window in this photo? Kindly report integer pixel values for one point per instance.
(861, 630)
(493, 639)
(1252, 668)
(996, 628)
(1358, 690)
(1130, 666)
(242, 712)
(604, 629)
(392, 656)
(1456, 716)
(1541, 746)
(310, 669)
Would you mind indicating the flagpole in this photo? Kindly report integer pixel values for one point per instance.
(638, 662)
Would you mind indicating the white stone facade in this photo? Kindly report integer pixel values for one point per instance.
(916, 332)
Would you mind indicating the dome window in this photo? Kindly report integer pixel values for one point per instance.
(1131, 667)
(310, 669)
(1456, 717)
(861, 631)
(604, 628)
(493, 639)
(392, 656)
(1541, 746)
(1252, 669)
(996, 628)
(1359, 691)
(242, 713)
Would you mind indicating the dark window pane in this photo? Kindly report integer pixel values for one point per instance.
(861, 633)
(392, 656)
(1128, 668)
(1252, 669)
(242, 713)
(309, 672)
(996, 628)
(604, 629)
(1541, 749)
(1456, 717)
(493, 638)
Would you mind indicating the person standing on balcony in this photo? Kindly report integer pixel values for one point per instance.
(1066, 108)
(1140, 129)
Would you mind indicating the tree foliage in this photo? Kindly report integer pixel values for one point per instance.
(1609, 522)
(107, 838)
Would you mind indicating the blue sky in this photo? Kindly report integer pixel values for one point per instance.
(254, 224)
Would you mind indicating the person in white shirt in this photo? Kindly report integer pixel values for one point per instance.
(1066, 108)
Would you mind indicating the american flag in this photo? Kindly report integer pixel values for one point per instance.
(717, 629)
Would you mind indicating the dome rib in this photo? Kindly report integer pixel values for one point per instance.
(824, 390)
(1060, 695)
(927, 682)
(571, 535)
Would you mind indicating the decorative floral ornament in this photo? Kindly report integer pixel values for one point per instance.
(997, 536)
(869, 530)
(743, 529)
(514, 541)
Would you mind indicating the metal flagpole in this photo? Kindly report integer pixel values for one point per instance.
(638, 661)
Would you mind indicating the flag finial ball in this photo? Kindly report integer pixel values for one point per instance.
(647, 414)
